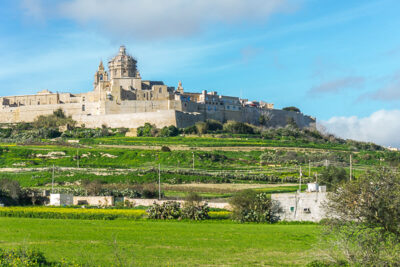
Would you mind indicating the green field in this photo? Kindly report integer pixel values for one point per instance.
(163, 243)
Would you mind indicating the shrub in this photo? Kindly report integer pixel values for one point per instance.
(169, 131)
(201, 127)
(190, 130)
(93, 187)
(165, 149)
(365, 228)
(292, 109)
(213, 126)
(332, 177)
(23, 257)
(249, 206)
(58, 118)
(236, 127)
(193, 209)
(148, 130)
(166, 211)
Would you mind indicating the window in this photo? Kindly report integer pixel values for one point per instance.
(83, 108)
(292, 209)
(160, 90)
(101, 77)
(307, 210)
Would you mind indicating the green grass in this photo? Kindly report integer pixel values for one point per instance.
(159, 243)
(211, 142)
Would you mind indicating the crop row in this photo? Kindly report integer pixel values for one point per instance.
(86, 214)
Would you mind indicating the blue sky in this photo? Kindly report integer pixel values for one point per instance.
(336, 60)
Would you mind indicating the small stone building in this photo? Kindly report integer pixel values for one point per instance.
(306, 206)
(61, 200)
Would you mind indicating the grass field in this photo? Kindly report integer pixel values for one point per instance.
(160, 243)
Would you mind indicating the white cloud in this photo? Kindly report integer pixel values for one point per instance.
(381, 127)
(334, 86)
(154, 19)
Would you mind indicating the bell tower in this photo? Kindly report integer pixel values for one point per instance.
(100, 76)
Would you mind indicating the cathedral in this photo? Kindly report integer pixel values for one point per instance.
(121, 98)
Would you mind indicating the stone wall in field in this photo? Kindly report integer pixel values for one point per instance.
(148, 202)
(102, 201)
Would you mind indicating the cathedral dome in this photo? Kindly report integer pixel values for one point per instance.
(123, 65)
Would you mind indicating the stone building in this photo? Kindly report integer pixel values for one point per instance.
(121, 98)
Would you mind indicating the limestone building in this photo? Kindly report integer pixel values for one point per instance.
(121, 98)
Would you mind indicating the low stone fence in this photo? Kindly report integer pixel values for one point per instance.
(102, 201)
(105, 201)
(149, 202)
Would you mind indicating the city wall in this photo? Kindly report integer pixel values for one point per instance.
(133, 114)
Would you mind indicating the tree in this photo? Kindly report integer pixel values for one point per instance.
(94, 187)
(291, 108)
(250, 206)
(332, 177)
(236, 127)
(262, 120)
(291, 122)
(169, 131)
(10, 188)
(365, 225)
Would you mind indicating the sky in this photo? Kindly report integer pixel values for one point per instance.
(338, 61)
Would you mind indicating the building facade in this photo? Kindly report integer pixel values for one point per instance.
(121, 98)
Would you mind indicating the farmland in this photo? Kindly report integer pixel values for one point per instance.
(216, 168)
(159, 243)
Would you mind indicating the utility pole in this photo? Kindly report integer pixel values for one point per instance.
(52, 181)
(351, 166)
(77, 158)
(300, 180)
(193, 160)
(159, 181)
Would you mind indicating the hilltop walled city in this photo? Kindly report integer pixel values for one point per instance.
(120, 98)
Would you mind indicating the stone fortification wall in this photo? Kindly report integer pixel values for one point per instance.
(30, 113)
(133, 114)
(140, 106)
(301, 206)
(133, 120)
(186, 119)
(279, 118)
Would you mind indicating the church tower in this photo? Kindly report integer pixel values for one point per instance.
(123, 65)
(100, 76)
